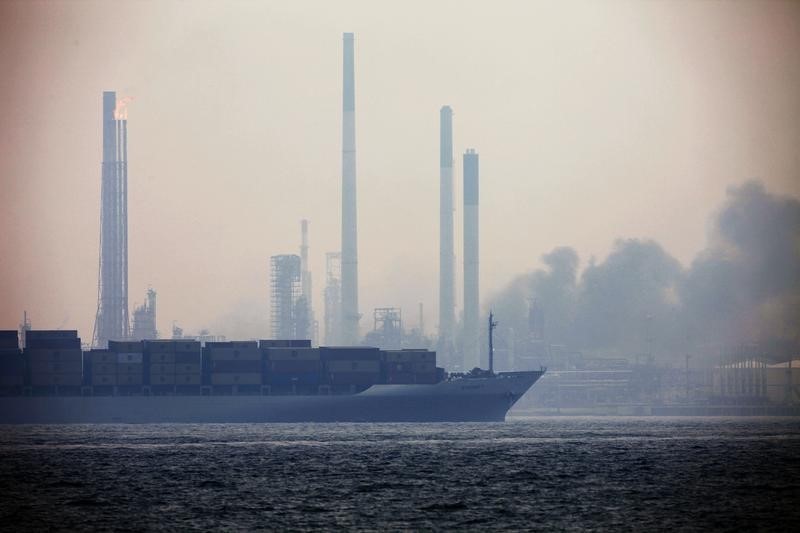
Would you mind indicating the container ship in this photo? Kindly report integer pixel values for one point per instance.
(53, 381)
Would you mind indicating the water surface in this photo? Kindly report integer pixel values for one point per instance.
(536, 474)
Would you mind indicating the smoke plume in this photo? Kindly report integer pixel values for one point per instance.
(744, 287)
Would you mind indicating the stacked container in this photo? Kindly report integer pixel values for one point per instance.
(234, 367)
(130, 365)
(284, 343)
(351, 368)
(188, 367)
(101, 365)
(410, 366)
(55, 361)
(12, 365)
(297, 369)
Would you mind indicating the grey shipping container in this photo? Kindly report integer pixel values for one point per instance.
(236, 379)
(187, 379)
(125, 346)
(181, 368)
(129, 368)
(129, 379)
(162, 357)
(349, 353)
(162, 369)
(292, 354)
(56, 367)
(104, 368)
(9, 339)
(104, 379)
(43, 380)
(36, 355)
(354, 366)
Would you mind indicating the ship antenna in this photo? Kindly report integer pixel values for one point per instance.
(492, 325)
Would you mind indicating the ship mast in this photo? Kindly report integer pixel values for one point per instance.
(492, 325)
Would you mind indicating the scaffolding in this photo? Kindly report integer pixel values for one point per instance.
(333, 297)
(286, 315)
(387, 329)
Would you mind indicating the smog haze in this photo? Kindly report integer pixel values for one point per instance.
(594, 123)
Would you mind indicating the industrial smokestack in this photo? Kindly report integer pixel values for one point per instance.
(350, 314)
(446, 248)
(471, 254)
(111, 320)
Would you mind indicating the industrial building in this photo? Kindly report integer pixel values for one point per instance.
(144, 318)
(333, 298)
(111, 320)
(289, 312)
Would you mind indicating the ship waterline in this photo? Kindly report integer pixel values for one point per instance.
(468, 399)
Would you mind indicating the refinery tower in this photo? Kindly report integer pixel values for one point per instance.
(111, 320)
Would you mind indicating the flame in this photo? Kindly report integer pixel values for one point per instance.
(121, 111)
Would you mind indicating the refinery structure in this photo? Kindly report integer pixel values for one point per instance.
(290, 279)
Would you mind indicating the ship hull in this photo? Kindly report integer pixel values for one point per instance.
(460, 400)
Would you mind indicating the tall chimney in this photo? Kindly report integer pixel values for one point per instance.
(446, 247)
(471, 254)
(350, 314)
(111, 320)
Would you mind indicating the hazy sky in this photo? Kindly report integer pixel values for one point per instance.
(593, 120)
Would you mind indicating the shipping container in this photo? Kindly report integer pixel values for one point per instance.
(162, 369)
(39, 334)
(101, 357)
(12, 364)
(187, 379)
(129, 379)
(9, 339)
(162, 379)
(129, 368)
(292, 354)
(219, 351)
(287, 367)
(284, 343)
(184, 346)
(400, 378)
(158, 345)
(104, 368)
(310, 378)
(354, 378)
(354, 366)
(12, 380)
(162, 357)
(228, 378)
(54, 344)
(424, 366)
(40, 355)
(129, 358)
(246, 366)
(44, 380)
(188, 368)
(349, 353)
(56, 367)
(103, 379)
(188, 358)
(410, 356)
(126, 346)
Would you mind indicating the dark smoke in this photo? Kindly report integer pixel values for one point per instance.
(744, 287)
